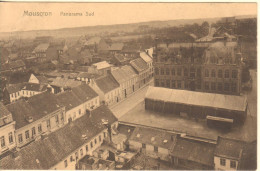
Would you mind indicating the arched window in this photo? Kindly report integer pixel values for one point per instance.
(206, 73)
(220, 73)
(226, 73)
(213, 73)
(156, 71)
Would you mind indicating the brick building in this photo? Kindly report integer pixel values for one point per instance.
(209, 67)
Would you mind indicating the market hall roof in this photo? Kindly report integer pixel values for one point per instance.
(221, 101)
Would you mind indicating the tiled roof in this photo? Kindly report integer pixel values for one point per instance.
(87, 75)
(84, 92)
(107, 83)
(68, 99)
(44, 154)
(20, 110)
(123, 74)
(65, 82)
(12, 65)
(195, 151)
(139, 64)
(42, 47)
(116, 46)
(19, 77)
(102, 65)
(42, 79)
(15, 88)
(44, 103)
(103, 113)
(126, 130)
(3, 111)
(154, 137)
(145, 57)
(34, 87)
(229, 148)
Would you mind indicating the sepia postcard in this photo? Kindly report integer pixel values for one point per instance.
(128, 86)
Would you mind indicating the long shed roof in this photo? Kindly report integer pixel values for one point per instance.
(221, 101)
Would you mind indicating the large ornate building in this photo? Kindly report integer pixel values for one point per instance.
(213, 66)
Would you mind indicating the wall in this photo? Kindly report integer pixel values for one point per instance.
(4, 131)
(43, 123)
(220, 167)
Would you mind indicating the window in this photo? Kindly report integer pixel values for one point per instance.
(61, 117)
(79, 111)
(71, 158)
(156, 82)
(48, 123)
(213, 86)
(91, 144)
(223, 162)
(185, 72)
(155, 149)
(226, 86)
(179, 71)
(162, 83)
(10, 135)
(220, 88)
(173, 71)
(179, 84)
(167, 71)
(20, 138)
(2, 141)
(76, 155)
(198, 85)
(233, 164)
(33, 131)
(86, 148)
(18, 93)
(143, 145)
(65, 163)
(156, 71)
(162, 71)
(104, 134)
(39, 128)
(206, 85)
(213, 73)
(173, 83)
(99, 138)
(95, 141)
(27, 135)
(233, 87)
(186, 85)
(168, 83)
(234, 73)
(57, 119)
(81, 152)
(206, 73)
(198, 72)
(226, 73)
(220, 73)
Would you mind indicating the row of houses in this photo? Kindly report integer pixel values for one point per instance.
(41, 114)
(183, 152)
(64, 148)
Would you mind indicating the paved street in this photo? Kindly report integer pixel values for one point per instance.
(123, 107)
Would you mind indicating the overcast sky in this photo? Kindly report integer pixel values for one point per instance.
(12, 14)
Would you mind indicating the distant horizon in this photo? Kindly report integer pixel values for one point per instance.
(54, 16)
(129, 23)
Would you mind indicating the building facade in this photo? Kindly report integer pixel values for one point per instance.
(7, 130)
(209, 67)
